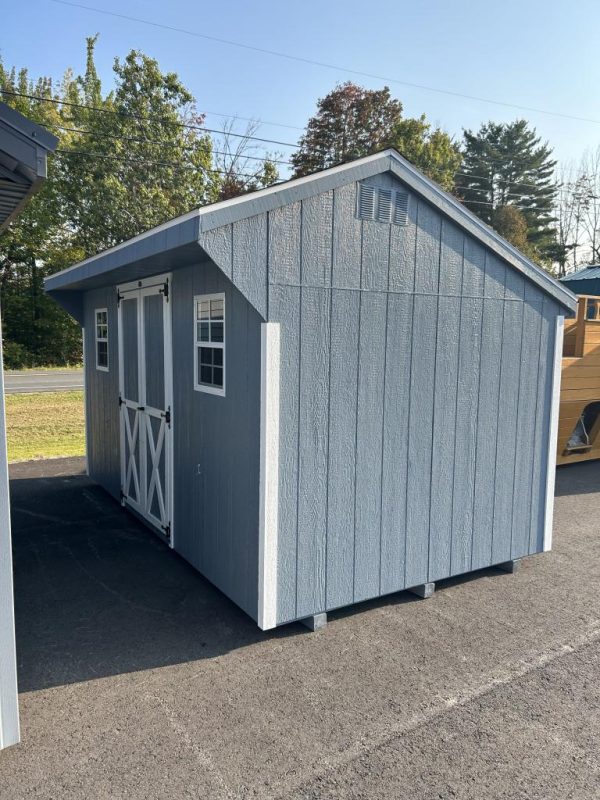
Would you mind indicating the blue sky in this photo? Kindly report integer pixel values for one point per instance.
(538, 53)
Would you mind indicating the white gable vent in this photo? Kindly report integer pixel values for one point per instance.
(382, 205)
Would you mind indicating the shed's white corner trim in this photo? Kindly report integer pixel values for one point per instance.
(553, 435)
(9, 705)
(269, 475)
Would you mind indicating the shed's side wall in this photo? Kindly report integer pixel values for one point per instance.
(217, 442)
(414, 405)
(102, 394)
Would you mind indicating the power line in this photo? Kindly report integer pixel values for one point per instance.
(127, 160)
(324, 64)
(141, 118)
(264, 159)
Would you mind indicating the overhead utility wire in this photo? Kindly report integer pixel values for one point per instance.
(264, 159)
(141, 118)
(324, 64)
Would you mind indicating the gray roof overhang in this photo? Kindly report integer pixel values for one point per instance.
(24, 147)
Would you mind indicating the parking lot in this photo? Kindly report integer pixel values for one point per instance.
(136, 673)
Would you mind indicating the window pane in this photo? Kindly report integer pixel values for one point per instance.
(102, 354)
(203, 331)
(206, 354)
(218, 376)
(218, 357)
(216, 309)
(204, 309)
(205, 374)
(216, 331)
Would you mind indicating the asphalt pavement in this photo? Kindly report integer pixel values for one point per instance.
(17, 381)
(139, 679)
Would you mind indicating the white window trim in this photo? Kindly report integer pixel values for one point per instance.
(101, 339)
(201, 387)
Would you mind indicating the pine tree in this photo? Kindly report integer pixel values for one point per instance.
(507, 164)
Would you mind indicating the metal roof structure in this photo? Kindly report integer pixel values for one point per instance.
(591, 272)
(179, 241)
(24, 147)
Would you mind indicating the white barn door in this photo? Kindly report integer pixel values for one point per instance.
(145, 400)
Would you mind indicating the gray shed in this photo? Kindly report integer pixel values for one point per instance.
(327, 391)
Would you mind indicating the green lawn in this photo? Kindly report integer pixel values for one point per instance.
(45, 425)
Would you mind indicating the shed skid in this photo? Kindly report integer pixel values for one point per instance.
(373, 406)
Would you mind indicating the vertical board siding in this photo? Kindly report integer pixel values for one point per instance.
(102, 394)
(347, 235)
(526, 423)
(317, 236)
(216, 442)
(465, 445)
(250, 259)
(284, 306)
(395, 441)
(369, 445)
(451, 259)
(343, 388)
(510, 375)
(414, 402)
(312, 459)
(285, 244)
(375, 255)
(444, 430)
(487, 432)
(403, 242)
(420, 439)
(428, 248)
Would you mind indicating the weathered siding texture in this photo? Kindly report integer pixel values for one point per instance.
(217, 442)
(414, 405)
(102, 394)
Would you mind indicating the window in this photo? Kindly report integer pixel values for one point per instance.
(102, 339)
(209, 343)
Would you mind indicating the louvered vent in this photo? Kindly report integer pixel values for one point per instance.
(383, 205)
(366, 202)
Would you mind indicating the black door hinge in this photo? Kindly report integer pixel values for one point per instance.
(122, 497)
(121, 401)
(167, 416)
(165, 290)
(167, 530)
(119, 297)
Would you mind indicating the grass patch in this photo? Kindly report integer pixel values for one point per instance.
(45, 425)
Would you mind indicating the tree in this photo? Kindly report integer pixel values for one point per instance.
(128, 160)
(240, 168)
(511, 223)
(352, 122)
(508, 165)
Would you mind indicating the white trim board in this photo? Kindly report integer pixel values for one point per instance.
(553, 433)
(269, 475)
(9, 704)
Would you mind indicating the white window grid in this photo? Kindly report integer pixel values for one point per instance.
(101, 332)
(209, 341)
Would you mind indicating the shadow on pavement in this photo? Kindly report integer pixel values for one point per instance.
(582, 478)
(97, 594)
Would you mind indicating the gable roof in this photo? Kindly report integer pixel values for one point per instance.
(179, 241)
(23, 150)
(591, 272)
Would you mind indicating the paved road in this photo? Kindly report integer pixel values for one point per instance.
(139, 679)
(42, 381)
